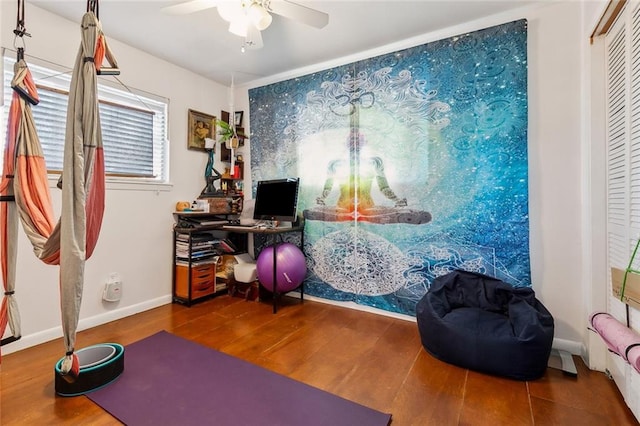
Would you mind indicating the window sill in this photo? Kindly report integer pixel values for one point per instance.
(124, 184)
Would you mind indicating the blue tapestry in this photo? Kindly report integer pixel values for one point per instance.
(411, 164)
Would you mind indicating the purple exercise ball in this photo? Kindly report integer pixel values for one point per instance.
(291, 267)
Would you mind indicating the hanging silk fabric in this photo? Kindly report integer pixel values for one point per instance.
(20, 124)
(72, 240)
(19, 121)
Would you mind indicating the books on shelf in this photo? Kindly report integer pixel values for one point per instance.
(196, 259)
(195, 245)
(207, 261)
(226, 246)
(194, 237)
(201, 246)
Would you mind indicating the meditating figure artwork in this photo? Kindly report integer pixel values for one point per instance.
(355, 177)
(434, 174)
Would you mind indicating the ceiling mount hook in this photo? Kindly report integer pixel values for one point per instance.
(20, 45)
(20, 30)
(93, 6)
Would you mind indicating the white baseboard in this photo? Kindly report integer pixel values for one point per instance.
(357, 307)
(571, 346)
(34, 339)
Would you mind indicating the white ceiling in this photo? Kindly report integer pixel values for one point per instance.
(200, 41)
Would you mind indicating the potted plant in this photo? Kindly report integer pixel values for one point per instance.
(228, 134)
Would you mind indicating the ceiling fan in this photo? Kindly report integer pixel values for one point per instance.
(248, 17)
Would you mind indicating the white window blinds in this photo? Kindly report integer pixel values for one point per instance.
(134, 126)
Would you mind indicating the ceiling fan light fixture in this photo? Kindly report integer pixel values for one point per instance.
(253, 40)
(259, 16)
(230, 11)
(239, 27)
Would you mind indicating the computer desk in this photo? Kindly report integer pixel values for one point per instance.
(274, 233)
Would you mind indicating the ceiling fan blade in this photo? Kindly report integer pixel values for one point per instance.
(190, 7)
(299, 13)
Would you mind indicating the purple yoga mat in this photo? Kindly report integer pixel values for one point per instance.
(172, 381)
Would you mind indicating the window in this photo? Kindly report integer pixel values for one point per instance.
(134, 126)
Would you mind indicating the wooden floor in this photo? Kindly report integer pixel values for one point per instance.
(370, 359)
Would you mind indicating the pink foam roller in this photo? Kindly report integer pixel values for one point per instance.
(619, 338)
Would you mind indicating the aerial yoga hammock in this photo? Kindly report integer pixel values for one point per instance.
(72, 240)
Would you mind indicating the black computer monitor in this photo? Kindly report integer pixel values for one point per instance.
(277, 200)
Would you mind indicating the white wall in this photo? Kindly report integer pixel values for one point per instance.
(136, 238)
(594, 183)
(555, 165)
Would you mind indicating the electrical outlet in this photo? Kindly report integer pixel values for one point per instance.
(113, 288)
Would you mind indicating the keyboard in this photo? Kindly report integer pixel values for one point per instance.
(240, 227)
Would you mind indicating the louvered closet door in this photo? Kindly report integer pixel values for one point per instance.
(623, 173)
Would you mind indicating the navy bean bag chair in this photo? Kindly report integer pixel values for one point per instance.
(481, 323)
